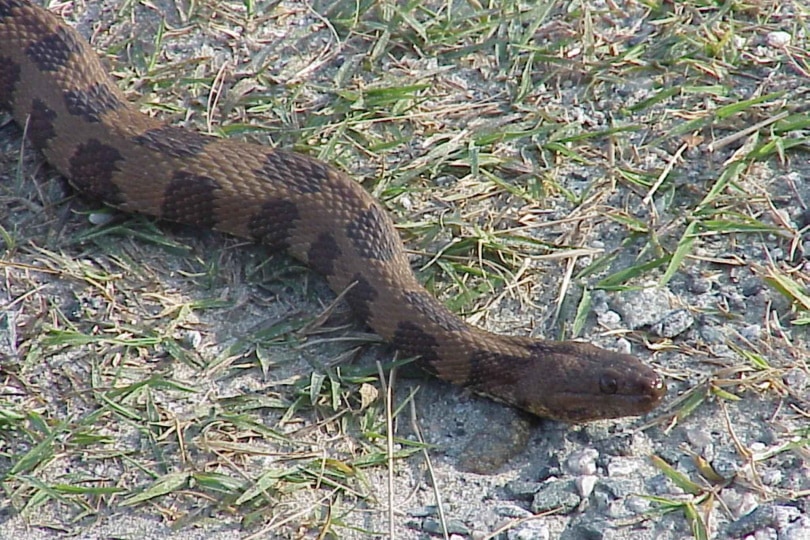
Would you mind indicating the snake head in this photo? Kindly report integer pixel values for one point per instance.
(576, 382)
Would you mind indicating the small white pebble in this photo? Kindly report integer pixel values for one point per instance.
(100, 218)
(768, 533)
(771, 477)
(752, 332)
(757, 446)
(582, 462)
(585, 485)
(609, 319)
(193, 338)
(777, 39)
(747, 504)
(406, 202)
(623, 346)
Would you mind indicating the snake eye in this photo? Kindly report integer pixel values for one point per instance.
(608, 385)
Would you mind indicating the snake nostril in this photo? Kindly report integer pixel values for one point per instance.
(608, 384)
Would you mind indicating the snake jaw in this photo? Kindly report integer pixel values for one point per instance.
(580, 404)
(643, 395)
(577, 382)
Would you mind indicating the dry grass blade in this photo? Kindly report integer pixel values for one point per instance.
(632, 174)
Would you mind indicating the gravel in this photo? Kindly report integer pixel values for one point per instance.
(588, 482)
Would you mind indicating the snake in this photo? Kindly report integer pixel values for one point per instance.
(74, 113)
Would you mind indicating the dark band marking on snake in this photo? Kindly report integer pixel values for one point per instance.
(52, 81)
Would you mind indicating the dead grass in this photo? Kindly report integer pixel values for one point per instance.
(536, 155)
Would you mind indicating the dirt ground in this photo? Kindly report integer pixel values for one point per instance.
(631, 174)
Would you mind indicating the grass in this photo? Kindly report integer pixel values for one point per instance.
(538, 156)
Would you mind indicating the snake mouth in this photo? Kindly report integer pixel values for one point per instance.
(657, 389)
(644, 390)
(580, 407)
(653, 391)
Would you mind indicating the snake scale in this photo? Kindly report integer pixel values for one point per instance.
(75, 114)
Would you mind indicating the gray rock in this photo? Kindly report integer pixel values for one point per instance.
(798, 530)
(529, 530)
(560, 494)
(698, 284)
(785, 515)
(491, 448)
(796, 379)
(454, 526)
(771, 477)
(599, 301)
(740, 503)
(512, 511)
(711, 334)
(768, 533)
(619, 488)
(699, 437)
(778, 39)
(673, 323)
(596, 530)
(749, 523)
(726, 465)
(764, 517)
(751, 286)
(520, 489)
(624, 466)
(752, 332)
(642, 307)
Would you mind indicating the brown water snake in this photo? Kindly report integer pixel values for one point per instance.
(75, 114)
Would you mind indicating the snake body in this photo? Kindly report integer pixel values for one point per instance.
(55, 86)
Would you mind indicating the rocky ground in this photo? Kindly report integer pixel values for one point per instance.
(631, 174)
